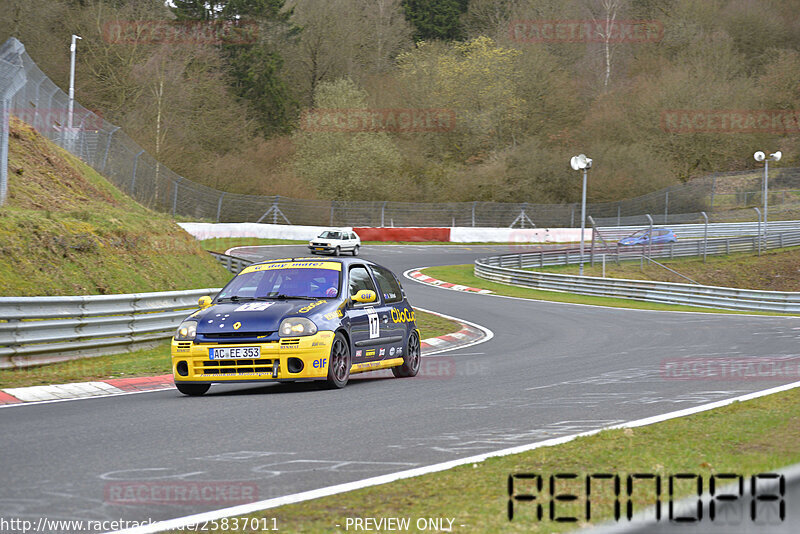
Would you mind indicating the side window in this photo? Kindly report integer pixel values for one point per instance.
(390, 289)
(359, 279)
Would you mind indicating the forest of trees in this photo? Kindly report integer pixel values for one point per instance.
(230, 114)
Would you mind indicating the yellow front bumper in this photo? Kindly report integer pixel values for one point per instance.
(190, 361)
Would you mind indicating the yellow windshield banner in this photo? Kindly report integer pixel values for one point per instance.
(330, 265)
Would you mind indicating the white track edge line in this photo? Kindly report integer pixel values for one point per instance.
(434, 468)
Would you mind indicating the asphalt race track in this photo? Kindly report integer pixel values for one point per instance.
(551, 369)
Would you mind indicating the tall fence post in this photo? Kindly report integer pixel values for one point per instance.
(473, 213)
(219, 206)
(383, 214)
(619, 214)
(666, 207)
(133, 176)
(108, 146)
(333, 204)
(174, 197)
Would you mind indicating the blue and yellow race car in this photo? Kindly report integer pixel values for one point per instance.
(298, 319)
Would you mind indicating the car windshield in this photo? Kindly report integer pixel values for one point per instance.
(640, 233)
(330, 235)
(271, 282)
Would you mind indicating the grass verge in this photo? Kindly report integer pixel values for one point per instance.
(149, 362)
(463, 274)
(67, 231)
(744, 438)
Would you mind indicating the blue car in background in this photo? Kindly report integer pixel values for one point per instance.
(642, 237)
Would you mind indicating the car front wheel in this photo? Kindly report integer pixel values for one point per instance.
(339, 363)
(193, 390)
(411, 359)
(355, 250)
(337, 251)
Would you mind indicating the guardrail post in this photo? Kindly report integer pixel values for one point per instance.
(758, 211)
(705, 236)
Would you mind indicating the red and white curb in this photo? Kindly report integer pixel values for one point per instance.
(425, 279)
(470, 334)
(84, 390)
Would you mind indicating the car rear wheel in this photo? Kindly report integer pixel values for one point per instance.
(193, 390)
(337, 251)
(355, 250)
(339, 363)
(411, 359)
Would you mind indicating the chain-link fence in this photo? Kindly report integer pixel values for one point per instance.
(40, 103)
(12, 78)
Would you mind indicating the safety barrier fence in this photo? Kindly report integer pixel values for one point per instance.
(37, 330)
(27, 93)
(511, 269)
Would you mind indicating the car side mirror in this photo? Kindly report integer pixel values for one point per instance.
(204, 302)
(364, 296)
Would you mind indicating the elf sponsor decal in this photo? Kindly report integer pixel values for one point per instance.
(320, 364)
(403, 316)
(306, 309)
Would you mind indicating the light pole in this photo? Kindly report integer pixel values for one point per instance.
(582, 163)
(72, 48)
(760, 156)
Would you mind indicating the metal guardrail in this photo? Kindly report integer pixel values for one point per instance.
(619, 253)
(232, 263)
(508, 269)
(689, 231)
(38, 330)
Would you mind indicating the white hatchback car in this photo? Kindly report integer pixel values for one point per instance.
(335, 241)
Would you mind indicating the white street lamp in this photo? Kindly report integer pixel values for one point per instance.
(582, 163)
(760, 156)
